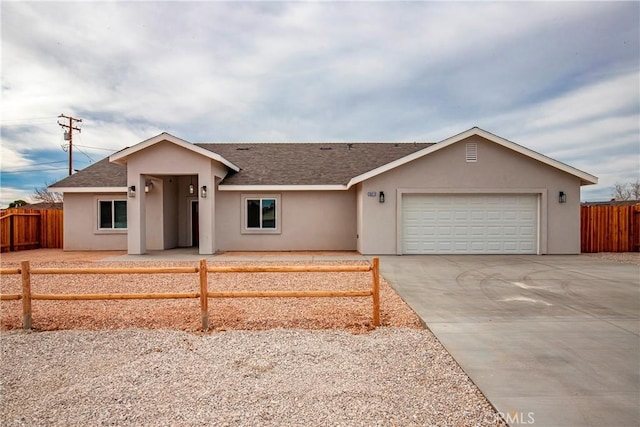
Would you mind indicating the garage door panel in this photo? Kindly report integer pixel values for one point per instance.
(461, 215)
(510, 231)
(527, 231)
(478, 223)
(494, 215)
(477, 231)
(461, 231)
(494, 230)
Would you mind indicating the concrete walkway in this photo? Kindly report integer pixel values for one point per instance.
(549, 340)
(191, 254)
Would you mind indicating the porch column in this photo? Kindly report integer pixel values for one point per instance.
(207, 215)
(136, 218)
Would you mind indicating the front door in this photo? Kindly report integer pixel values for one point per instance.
(195, 224)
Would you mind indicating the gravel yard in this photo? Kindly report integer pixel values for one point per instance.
(290, 361)
(388, 377)
(621, 257)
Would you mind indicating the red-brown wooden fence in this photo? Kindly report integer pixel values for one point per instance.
(610, 228)
(30, 229)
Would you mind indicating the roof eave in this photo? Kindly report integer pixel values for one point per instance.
(87, 189)
(336, 187)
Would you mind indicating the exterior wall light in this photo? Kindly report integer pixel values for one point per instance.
(191, 189)
(562, 197)
(381, 197)
(203, 192)
(148, 187)
(132, 191)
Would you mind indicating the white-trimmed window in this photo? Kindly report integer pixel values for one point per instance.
(112, 214)
(261, 214)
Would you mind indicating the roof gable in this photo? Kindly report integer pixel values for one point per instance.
(121, 156)
(585, 178)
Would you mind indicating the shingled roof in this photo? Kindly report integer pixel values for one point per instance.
(307, 163)
(273, 163)
(100, 174)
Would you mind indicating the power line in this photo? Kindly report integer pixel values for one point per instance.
(86, 155)
(97, 148)
(45, 163)
(23, 125)
(31, 119)
(31, 170)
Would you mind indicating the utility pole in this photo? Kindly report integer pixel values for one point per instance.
(68, 135)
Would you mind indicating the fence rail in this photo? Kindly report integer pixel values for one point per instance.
(27, 296)
(610, 228)
(31, 229)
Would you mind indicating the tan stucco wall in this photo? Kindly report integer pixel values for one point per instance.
(81, 224)
(498, 169)
(312, 220)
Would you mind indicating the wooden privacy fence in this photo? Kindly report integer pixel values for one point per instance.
(610, 228)
(203, 293)
(30, 229)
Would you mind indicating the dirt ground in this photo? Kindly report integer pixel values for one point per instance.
(50, 255)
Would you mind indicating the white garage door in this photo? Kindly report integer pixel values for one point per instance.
(470, 224)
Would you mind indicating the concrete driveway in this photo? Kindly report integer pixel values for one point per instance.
(550, 340)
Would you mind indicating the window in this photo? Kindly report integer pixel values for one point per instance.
(261, 214)
(112, 214)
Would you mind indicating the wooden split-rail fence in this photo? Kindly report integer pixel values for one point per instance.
(202, 269)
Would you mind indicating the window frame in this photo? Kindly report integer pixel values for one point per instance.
(244, 226)
(111, 229)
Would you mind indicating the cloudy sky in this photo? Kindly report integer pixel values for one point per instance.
(559, 78)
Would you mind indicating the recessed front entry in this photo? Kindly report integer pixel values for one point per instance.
(470, 224)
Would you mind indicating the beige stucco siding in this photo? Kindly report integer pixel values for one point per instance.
(498, 170)
(81, 224)
(312, 220)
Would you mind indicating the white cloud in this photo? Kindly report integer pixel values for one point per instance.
(8, 195)
(559, 78)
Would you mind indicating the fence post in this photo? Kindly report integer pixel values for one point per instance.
(375, 272)
(26, 294)
(204, 298)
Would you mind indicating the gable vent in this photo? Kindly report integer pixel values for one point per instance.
(472, 152)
